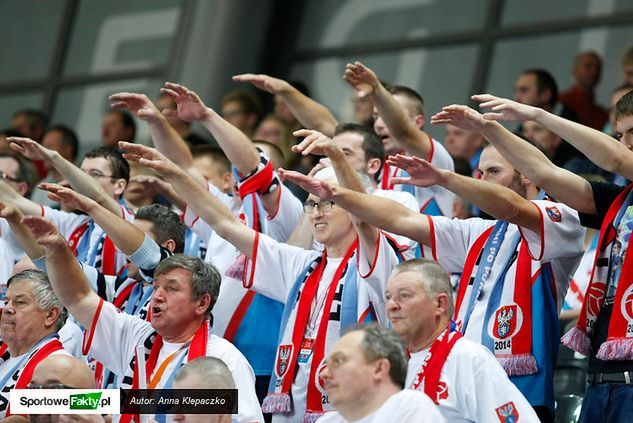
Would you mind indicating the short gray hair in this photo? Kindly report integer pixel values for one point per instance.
(212, 373)
(433, 277)
(42, 292)
(205, 278)
(380, 342)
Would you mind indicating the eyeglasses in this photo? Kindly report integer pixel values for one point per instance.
(8, 178)
(49, 386)
(324, 205)
(97, 174)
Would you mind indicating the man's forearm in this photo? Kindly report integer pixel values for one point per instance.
(309, 113)
(347, 177)
(238, 148)
(125, 236)
(599, 147)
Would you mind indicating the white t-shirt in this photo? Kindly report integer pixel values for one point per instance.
(130, 332)
(6, 265)
(71, 336)
(409, 201)
(560, 243)
(405, 406)
(433, 199)
(277, 267)
(474, 387)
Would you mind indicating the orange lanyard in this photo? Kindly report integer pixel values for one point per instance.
(161, 369)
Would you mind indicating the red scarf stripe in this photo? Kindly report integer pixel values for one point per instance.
(522, 341)
(86, 344)
(471, 259)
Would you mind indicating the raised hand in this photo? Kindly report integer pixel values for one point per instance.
(31, 149)
(44, 231)
(263, 82)
(139, 104)
(9, 211)
(323, 190)
(70, 198)
(313, 143)
(189, 106)
(504, 109)
(149, 157)
(421, 172)
(461, 116)
(361, 78)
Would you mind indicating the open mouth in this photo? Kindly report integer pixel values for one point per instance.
(320, 225)
(156, 310)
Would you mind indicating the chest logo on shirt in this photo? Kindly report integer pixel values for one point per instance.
(508, 320)
(442, 391)
(595, 296)
(627, 305)
(283, 359)
(554, 214)
(507, 413)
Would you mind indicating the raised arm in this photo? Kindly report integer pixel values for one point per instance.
(25, 205)
(599, 147)
(380, 212)
(319, 144)
(67, 279)
(236, 145)
(496, 200)
(205, 205)
(564, 185)
(403, 130)
(77, 178)
(308, 112)
(14, 216)
(125, 236)
(165, 138)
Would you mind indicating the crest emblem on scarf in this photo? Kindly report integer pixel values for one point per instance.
(595, 295)
(442, 391)
(283, 359)
(553, 213)
(507, 321)
(627, 304)
(319, 381)
(507, 413)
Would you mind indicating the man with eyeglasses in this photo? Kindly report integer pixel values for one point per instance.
(324, 292)
(31, 318)
(103, 177)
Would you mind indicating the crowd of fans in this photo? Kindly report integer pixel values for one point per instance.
(333, 271)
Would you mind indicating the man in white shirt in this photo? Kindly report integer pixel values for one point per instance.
(462, 377)
(147, 355)
(364, 378)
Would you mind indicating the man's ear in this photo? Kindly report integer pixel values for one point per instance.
(119, 186)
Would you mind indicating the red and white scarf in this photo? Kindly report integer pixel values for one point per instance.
(431, 368)
(328, 332)
(512, 346)
(619, 343)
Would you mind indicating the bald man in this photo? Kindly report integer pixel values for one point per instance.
(66, 372)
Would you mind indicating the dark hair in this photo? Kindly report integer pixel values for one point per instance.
(380, 342)
(8, 132)
(166, 224)
(276, 152)
(415, 100)
(249, 102)
(127, 120)
(216, 154)
(544, 81)
(205, 278)
(26, 170)
(624, 106)
(34, 117)
(372, 144)
(120, 166)
(69, 137)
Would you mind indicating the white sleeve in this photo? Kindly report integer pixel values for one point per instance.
(199, 226)
(289, 211)
(561, 234)
(115, 336)
(277, 266)
(66, 222)
(249, 409)
(451, 240)
(377, 273)
(70, 335)
(489, 393)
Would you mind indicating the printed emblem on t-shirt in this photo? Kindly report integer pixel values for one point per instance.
(507, 413)
(553, 213)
